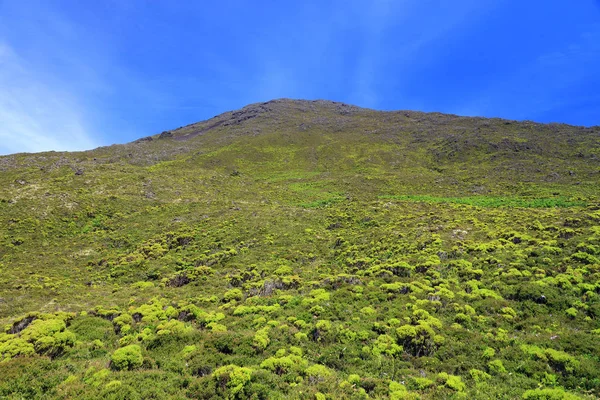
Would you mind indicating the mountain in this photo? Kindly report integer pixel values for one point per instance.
(306, 249)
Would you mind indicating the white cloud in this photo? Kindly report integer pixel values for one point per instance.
(36, 115)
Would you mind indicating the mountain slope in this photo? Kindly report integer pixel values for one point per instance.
(306, 247)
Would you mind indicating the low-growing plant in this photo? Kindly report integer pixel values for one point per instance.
(127, 358)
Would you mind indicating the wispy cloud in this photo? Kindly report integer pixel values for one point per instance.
(63, 85)
(34, 115)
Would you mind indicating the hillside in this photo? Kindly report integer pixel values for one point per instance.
(306, 249)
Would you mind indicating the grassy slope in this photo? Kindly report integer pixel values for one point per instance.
(435, 233)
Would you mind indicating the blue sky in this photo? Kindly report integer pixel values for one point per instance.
(80, 74)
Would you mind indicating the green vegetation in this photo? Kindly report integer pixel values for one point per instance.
(306, 250)
(490, 201)
(128, 357)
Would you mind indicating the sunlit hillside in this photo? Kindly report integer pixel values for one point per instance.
(306, 249)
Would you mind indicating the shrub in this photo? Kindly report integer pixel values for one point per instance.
(451, 381)
(284, 270)
(317, 373)
(123, 319)
(419, 340)
(96, 378)
(54, 345)
(562, 361)
(455, 383)
(463, 319)
(216, 327)
(15, 347)
(316, 296)
(398, 392)
(385, 344)
(559, 360)
(128, 357)
(188, 350)
(496, 367)
(172, 327)
(243, 310)
(419, 383)
(283, 365)
(116, 390)
(549, 394)
(488, 353)
(368, 311)
(585, 258)
(479, 376)
(232, 379)
(261, 339)
(234, 294)
(354, 379)
(323, 325)
(40, 328)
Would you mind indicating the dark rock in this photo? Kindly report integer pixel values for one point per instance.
(185, 316)
(144, 139)
(20, 325)
(541, 300)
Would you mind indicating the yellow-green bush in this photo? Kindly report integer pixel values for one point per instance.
(126, 358)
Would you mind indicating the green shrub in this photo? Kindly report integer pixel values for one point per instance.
(496, 367)
(234, 294)
(368, 311)
(488, 353)
(15, 347)
(54, 345)
(549, 394)
(571, 312)
(456, 383)
(284, 364)
(127, 358)
(398, 391)
(561, 361)
(419, 339)
(261, 339)
(354, 379)
(232, 379)
(96, 378)
(451, 381)
(420, 383)
(40, 328)
(116, 390)
(385, 344)
(317, 373)
(479, 376)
